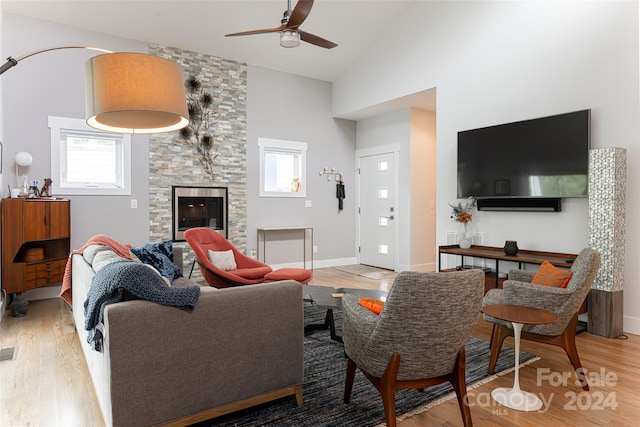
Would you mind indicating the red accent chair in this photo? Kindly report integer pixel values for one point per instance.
(249, 271)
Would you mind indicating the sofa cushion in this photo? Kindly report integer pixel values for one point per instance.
(117, 280)
(159, 255)
(155, 270)
(224, 260)
(103, 258)
(182, 282)
(92, 250)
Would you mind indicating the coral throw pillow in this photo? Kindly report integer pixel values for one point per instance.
(549, 275)
(372, 304)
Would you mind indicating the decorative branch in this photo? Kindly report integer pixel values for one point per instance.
(198, 135)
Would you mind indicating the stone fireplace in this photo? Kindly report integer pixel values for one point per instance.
(198, 207)
(171, 163)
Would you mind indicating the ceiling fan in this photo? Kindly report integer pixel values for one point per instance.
(290, 33)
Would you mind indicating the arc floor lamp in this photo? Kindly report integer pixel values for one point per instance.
(129, 92)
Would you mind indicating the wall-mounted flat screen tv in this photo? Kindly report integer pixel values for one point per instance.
(545, 157)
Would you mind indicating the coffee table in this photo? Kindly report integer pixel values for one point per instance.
(515, 398)
(322, 297)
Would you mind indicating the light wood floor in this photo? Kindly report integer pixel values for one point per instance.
(48, 384)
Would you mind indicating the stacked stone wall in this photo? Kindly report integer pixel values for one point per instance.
(172, 163)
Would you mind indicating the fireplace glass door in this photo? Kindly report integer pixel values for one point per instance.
(199, 207)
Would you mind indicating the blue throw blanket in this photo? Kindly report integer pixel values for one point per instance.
(110, 283)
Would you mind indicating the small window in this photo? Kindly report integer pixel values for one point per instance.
(85, 161)
(282, 168)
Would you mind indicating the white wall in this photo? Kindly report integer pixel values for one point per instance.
(413, 132)
(279, 105)
(52, 83)
(423, 191)
(497, 62)
(392, 130)
(289, 107)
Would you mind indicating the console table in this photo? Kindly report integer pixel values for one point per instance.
(263, 231)
(497, 254)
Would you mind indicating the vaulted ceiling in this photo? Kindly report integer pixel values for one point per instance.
(201, 25)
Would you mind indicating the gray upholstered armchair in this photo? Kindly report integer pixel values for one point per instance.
(563, 302)
(418, 339)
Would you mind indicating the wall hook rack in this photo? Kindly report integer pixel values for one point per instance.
(329, 172)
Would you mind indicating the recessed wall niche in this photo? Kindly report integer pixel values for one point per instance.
(171, 163)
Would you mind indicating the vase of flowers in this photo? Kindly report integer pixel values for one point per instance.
(462, 215)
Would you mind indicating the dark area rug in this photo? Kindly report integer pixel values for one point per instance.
(325, 366)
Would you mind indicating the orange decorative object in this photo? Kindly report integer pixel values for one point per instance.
(295, 185)
(549, 275)
(375, 305)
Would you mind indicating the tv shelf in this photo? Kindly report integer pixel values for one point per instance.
(497, 254)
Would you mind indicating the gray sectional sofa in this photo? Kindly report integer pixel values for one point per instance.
(239, 347)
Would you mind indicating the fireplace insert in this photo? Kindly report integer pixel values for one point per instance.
(198, 207)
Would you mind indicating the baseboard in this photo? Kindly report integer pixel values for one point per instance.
(631, 325)
(47, 292)
(425, 268)
(318, 263)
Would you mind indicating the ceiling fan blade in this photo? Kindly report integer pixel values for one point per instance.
(318, 41)
(299, 13)
(263, 31)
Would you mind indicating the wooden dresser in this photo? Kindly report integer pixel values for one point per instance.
(35, 242)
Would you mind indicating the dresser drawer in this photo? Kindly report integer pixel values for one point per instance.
(44, 273)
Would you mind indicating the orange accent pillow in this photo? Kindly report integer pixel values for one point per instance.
(549, 275)
(375, 305)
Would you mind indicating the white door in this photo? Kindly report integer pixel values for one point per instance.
(377, 210)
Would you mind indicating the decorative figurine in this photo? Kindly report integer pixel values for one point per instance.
(45, 191)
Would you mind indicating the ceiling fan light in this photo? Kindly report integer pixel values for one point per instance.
(289, 38)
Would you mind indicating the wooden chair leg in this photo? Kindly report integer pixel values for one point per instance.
(388, 390)
(348, 382)
(568, 343)
(459, 383)
(498, 334)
